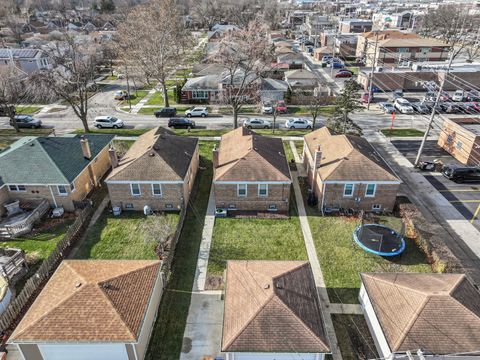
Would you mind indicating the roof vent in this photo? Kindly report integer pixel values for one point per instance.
(78, 284)
(106, 286)
(266, 286)
(151, 154)
(279, 285)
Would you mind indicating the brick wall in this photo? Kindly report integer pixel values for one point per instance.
(190, 176)
(278, 194)
(47, 192)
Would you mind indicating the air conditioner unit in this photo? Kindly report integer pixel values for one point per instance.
(379, 68)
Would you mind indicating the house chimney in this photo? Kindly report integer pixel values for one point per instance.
(87, 154)
(318, 157)
(113, 157)
(215, 157)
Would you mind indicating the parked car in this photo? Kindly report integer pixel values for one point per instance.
(337, 64)
(459, 174)
(181, 123)
(257, 124)
(4, 111)
(420, 107)
(396, 94)
(344, 74)
(387, 107)
(165, 112)
(120, 95)
(197, 111)
(459, 95)
(298, 123)
(327, 58)
(445, 97)
(267, 108)
(365, 96)
(27, 121)
(281, 107)
(473, 95)
(449, 107)
(107, 122)
(470, 107)
(403, 105)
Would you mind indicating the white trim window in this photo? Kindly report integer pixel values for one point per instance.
(370, 190)
(135, 189)
(72, 187)
(17, 188)
(199, 94)
(242, 190)
(263, 190)
(62, 190)
(156, 189)
(348, 190)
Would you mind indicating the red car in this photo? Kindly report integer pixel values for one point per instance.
(364, 97)
(344, 74)
(281, 107)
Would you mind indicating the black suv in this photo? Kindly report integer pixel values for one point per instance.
(178, 123)
(165, 112)
(461, 174)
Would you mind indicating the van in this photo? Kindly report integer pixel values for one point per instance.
(460, 174)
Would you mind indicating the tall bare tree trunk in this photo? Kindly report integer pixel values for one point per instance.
(235, 117)
(14, 122)
(165, 94)
(85, 123)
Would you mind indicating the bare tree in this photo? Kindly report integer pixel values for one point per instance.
(72, 76)
(158, 230)
(318, 100)
(245, 55)
(153, 38)
(13, 91)
(454, 26)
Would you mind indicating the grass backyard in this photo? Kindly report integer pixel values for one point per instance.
(25, 132)
(255, 239)
(342, 260)
(402, 132)
(167, 336)
(135, 98)
(123, 237)
(157, 98)
(27, 110)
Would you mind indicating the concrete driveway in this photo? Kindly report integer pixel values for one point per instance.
(203, 333)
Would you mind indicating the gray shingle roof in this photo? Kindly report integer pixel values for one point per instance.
(47, 160)
(20, 53)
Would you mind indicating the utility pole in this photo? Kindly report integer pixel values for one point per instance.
(370, 80)
(432, 115)
(334, 45)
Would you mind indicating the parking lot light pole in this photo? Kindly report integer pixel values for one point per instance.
(370, 80)
(432, 115)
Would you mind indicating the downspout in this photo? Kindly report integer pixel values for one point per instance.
(53, 196)
(324, 186)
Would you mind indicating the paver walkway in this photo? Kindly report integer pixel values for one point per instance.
(298, 161)
(352, 309)
(136, 108)
(204, 251)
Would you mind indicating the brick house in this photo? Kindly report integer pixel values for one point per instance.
(251, 173)
(345, 171)
(272, 311)
(93, 309)
(460, 137)
(62, 169)
(158, 170)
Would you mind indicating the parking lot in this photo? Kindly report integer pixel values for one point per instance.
(464, 197)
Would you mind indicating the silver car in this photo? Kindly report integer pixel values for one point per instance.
(257, 124)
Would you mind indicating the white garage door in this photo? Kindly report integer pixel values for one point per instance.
(275, 356)
(84, 352)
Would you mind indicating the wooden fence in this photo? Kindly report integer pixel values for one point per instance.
(167, 261)
(33, 284)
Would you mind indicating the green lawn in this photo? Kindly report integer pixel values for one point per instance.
(121, 132)
(402, 132)
(136, 97)
(150, 111)
(255, 239)
(342, 260)
(167, 336)
(183, 73)
(25, 132)
(123, 237)
(111, 77)
(157, 98)
(27, 110)
(4, 142)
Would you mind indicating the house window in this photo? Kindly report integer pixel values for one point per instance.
(168, 206)
(272, 207)
(425, 50)
(72, 187)
(242, 190)
(135, 188)
(18, 188)
(370, 191)
(232, 206)
(376, 207)
(129, 206)
(348, 190)
(199, 94)
(62, 190)
(263, 190)
(459, 145)
(402, 50)
(21, 188)
(156, 190)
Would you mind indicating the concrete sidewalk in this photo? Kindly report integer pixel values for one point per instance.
(460, 235)
(204, 251)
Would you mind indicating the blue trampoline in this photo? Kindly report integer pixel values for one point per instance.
(379, 240)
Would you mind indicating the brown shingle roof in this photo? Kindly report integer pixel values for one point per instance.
(272, 306)
(156, 156)
(91, 301)
(438, 313)
(348, 158)
(246, 156)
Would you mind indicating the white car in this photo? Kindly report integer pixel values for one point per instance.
(257, 124)
(107, 122)
(197, 111)
(267, 109)
(459, 95)
(298, 123)
(403, 105)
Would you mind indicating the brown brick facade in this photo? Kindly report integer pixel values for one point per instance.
(226, 197)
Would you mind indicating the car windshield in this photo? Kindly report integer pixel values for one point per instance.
(113, 119)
